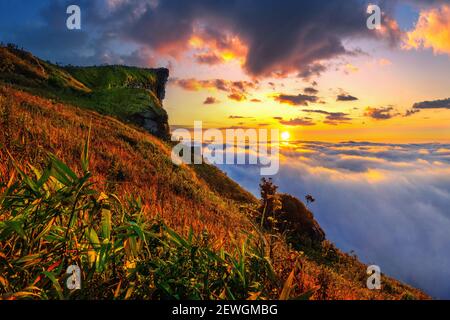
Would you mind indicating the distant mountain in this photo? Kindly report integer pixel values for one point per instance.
(82, 181)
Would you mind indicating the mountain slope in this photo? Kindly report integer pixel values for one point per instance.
(130, 94)
(128, 161)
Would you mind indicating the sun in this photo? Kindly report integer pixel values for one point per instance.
(285, 136)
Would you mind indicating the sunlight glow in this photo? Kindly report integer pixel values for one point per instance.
(285, 136)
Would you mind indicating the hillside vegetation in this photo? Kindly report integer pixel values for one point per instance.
(127, 93)
(79, 186)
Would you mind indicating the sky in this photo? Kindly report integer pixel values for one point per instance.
(310, 68)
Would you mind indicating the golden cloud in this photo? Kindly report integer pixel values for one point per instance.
(216, 48)
(432, 31)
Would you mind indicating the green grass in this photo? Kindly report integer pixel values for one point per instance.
(119, 102)
(108, 77)
(117, 91)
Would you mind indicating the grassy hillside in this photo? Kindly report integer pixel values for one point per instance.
(138, 225)
(122, 92)
(22, 69)
(119, 90)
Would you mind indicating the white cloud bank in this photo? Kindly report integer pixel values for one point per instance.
(388, 203)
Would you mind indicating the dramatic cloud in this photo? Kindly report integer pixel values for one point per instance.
(217, 46)
(208, 58)
(296, 100)
(267, 37)
(236, 90)
(436, 104)
(383, 113)
(297, 122)
(346, 97)
(431, 31)
(210, 100)
(387, 202)
(332, 118)
(312, 70)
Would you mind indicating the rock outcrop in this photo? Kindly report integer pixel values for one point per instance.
(156, 124)
(155, 119)
(296, 218)
(162, 76)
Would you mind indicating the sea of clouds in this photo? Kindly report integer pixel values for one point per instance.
(390, 203)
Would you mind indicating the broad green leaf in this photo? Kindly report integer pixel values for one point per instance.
(93, 238)
(16, 226)
(106, 224)
(62, 172)
(85, 153)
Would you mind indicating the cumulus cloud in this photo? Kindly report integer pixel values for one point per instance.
(382, 113)
(296, 100)
(211, 100)
(387, 202)
(436, 104)
(237, 96)
(311, 91)
(431, 31)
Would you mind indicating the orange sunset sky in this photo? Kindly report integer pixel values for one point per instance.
(310, 68)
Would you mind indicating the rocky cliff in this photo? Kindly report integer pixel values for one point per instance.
(154, 120)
